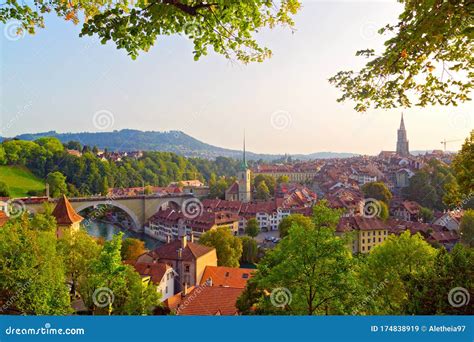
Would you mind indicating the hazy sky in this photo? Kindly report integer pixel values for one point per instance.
(58, 81)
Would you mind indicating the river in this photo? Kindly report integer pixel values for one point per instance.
(108, 230)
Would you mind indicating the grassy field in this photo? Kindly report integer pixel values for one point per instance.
(20, 180)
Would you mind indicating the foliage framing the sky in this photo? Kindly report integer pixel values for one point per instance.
(428, 60)
(226, 26)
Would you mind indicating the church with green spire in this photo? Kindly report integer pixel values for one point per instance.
(243, 179)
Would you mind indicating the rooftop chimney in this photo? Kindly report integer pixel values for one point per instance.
(180, 253)
(192, 237)
(184, 241)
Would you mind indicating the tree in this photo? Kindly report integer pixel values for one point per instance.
(426, 214)
(262, 191)
(383, 213)
(104, 189)
(283, 179)
(427, 59)
(132, 249)
(114, 288)
(391, 264)
(463, 166)
(433, 291)
(217, 187)
(57, 184)
(377, 190)
(78, 250)
(269, 181)
(429, 185)
(249, 250)
(252, 228)
(51, 144)
(226, 26)
(311, 266)
(228, 247)
(466, 228)
(74, 145)
(3, 157)
(291, 220)
(31, 271)
(452, 197)
(45, 220)
(4, 190)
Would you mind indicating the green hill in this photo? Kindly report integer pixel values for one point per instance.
(20, 180)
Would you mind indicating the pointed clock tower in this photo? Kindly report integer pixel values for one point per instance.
(243, 179)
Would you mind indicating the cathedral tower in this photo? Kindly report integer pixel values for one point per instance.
(402, 142)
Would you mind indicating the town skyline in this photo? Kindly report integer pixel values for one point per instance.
(395, 145)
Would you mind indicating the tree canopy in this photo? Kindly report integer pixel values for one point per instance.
(293, 219)
(32, 272)
(428, 59)
(309, 272)
(463, 166)
(466, 228)
(228, 247)
(4, 190)
(377, 190)
(228, 27)
(252, 228)
(391, 264)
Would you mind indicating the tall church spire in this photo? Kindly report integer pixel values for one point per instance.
(244, 160)
(402, 123)
(402, 141)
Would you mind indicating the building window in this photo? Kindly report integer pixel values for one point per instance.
(166, 290)
(186, 268)
(373, 240)
(363, 248)
(363, 240)
(380, 239)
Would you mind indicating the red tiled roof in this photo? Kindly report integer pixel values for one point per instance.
(411, 206)
(65, 213)
(360, 223)
(227, 276)
(173, 302)
(205, 221)
(210, 300)
(233, 189)
(155, 270)
(170, 251)
(444, 236)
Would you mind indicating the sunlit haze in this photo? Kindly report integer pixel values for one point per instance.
(57, 81)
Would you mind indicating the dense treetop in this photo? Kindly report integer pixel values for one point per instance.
(228, 27)
(88, 174)
(428, 59)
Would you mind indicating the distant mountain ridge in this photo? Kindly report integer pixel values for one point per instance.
(171, 141)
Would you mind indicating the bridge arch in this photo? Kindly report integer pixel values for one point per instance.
(136, 222)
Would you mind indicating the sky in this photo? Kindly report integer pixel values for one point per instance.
(55, 80)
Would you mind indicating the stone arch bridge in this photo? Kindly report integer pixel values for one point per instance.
(139, 208)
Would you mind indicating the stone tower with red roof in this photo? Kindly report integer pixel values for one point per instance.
(66, 216)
